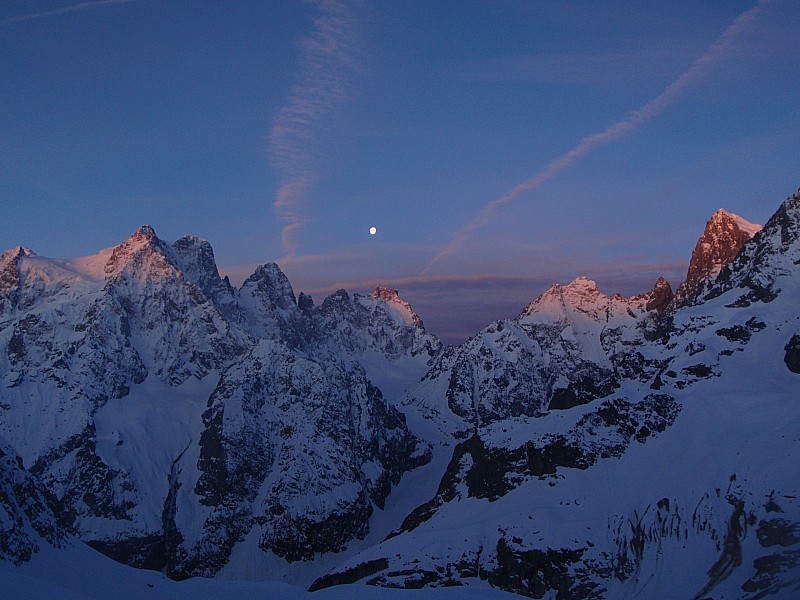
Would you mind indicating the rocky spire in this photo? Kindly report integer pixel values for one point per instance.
(724, 236)
(660, 296)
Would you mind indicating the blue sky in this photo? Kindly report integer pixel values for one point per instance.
(498, 147)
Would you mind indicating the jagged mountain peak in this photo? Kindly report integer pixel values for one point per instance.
(386, 293)
(268, 303)
(379, 321)
(581, 292)
(577, 287)
(16, 252)
(196, 253)
(772, 253)
(400, 306)
(143, 254)
(724, 235)
(10, 272)
(269, 282)
(659, 298)
(338, 301)
(145, 232)
(194, 239)
(196, 260)
(723, 216)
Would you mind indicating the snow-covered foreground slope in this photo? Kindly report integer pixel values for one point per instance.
(79, 573)
(584, 501)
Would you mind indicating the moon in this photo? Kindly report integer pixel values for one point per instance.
(373, 230)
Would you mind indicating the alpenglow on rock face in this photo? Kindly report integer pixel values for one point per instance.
(724, 236)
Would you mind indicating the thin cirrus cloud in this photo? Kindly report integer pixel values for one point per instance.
(64, 10)
(327, 66)
(600, 69)
(701, 68)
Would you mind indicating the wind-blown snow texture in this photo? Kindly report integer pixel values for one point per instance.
(593, 447)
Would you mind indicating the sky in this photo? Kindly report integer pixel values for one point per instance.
(497, 147)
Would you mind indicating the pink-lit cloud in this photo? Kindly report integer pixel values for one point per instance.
(64, 10)
(457, 306)
(618, 274)
(699, 70)
(324, 83)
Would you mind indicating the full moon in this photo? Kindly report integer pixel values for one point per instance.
(373, 230)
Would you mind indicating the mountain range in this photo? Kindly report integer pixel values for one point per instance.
(594, 446)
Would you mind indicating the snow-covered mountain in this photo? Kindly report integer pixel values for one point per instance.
(571, 345)
(170, 415)
(595, 446)
(671, 473)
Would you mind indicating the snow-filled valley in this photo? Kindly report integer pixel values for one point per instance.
(224, 442)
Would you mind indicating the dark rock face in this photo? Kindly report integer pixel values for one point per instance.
(304, 428)
(773, 575)
(580, 392)
(26, 516)
(660, 297)
(350, 575)
(10, 282)
(197, 263)
(553, 572)
(792, 357)
(486, 471)
(305, 303)
(534, 573)
(90, 488)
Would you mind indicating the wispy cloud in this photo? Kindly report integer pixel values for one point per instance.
(64, 10)
(320, 260)
(327, 65)
(704, 65)
(598, 69)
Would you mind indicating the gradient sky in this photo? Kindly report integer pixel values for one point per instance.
(497, 146)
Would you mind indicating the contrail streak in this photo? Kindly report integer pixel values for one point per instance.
(324, 84)
(64, 10)
(716, 52)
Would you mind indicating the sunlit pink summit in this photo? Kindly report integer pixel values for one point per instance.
(724, 236)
